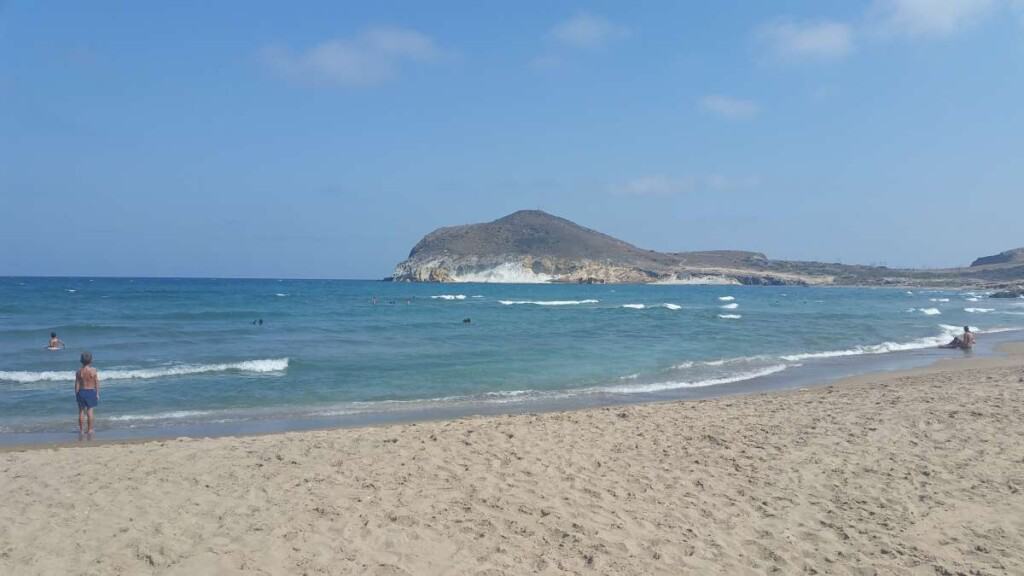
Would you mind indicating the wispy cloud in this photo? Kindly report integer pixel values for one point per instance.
(371, 57)
(921, 18)
(790, 39)
(662, 186)
(729, 107)
(655, 185)
(587, 31)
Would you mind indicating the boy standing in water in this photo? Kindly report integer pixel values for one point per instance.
(87, 390)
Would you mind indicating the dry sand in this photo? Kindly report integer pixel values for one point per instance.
(913, 473)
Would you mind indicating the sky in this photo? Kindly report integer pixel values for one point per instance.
(324, 139)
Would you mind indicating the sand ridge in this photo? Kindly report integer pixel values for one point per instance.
(918, 473)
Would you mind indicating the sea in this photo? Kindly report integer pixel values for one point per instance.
(207, 357)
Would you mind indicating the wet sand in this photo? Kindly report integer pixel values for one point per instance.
(919, 472)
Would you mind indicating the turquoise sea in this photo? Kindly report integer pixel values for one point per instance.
(180, 356)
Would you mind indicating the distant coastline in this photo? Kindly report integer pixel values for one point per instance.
(534, 247)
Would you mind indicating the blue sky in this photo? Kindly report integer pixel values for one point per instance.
(323, 139)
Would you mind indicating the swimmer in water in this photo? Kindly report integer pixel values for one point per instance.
(55, 343)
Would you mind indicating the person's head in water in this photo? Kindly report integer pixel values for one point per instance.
(967, 328)
(53, 334)
(86, 358)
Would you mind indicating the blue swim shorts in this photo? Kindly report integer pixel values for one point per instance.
(87, 398)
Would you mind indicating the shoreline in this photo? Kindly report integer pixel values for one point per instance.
(912, 472)
(991, 355)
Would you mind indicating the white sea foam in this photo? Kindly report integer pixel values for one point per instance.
(732, 306)
(548, 302)
(926, 311)
(662, 386)
(885, 347)
(730, 316)
(280, 295)
(254, 366)
(973, 299)
(671, 306)
(979, 310)
(72, 290)
(478, 296)
(160, 415)
(449, 297)
(938, 299)
(634, 306)
(729, 298)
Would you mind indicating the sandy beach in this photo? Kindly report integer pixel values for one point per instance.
(918, 472)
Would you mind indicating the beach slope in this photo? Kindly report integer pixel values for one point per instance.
(913, 473)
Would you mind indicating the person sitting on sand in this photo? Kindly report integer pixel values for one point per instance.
(87, 391)
(55, 343)
(963, 342)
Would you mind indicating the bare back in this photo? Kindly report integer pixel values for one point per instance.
(87, 378)
(968, 340)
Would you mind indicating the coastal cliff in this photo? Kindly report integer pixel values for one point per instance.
(532, 246)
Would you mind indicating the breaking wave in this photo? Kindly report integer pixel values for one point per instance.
(947, 333)
(726, 298)
(548, 302)
(732, 306)
(662, 386)
(449, 297)
(252, 366)
(730, 316)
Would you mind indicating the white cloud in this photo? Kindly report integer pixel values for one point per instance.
(821, 39)
(587, 31)
(723, 182)
(917, 18)
(656, 185)
(371, 57)
(728, 107)
(661, 186)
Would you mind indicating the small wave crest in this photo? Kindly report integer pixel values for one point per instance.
(160, 416)
(662, 386)
(947, 332)
(732, 306)
(548, 302)
(979, 310)
(634, 306)
(938, 299)
(449, 297)
(730, 316)
(253, 366)
(726, 298)
(926, 311)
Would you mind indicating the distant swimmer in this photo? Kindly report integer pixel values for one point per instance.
(87, 392)
(467, 320)
(963, 342)
(55, 343)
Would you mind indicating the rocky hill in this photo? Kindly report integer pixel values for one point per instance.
(1015, 256)
(534, 246)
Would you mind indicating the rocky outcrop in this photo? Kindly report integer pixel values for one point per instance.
(531, 246)
(1015, 256)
